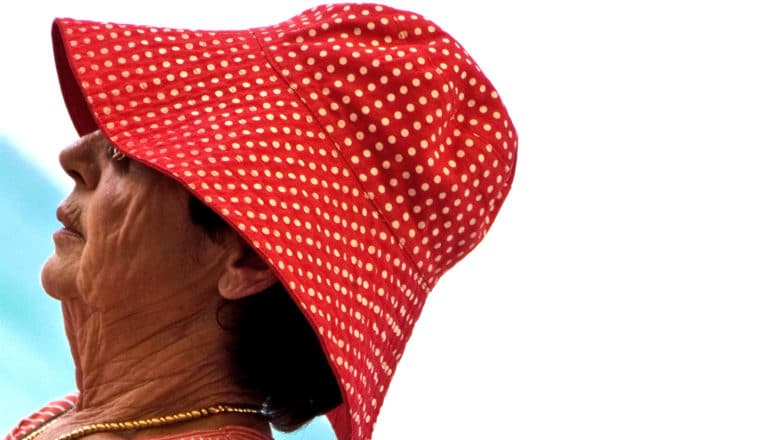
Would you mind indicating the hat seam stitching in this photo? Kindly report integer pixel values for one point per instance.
(489, 140)
(420, 281)
(415, 269)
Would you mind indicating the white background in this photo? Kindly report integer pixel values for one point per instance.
(623, 291)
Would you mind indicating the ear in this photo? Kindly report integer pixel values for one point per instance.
(246, 274)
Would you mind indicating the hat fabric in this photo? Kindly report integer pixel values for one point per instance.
(358, 148)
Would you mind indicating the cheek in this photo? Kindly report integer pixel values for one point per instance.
(136, 245)
(142, 247)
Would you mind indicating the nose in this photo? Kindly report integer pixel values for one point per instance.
(79, 162)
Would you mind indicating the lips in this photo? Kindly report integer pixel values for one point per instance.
(68, 220)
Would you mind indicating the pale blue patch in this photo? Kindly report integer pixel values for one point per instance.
(36, 366)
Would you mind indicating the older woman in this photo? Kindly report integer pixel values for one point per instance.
(258, 216)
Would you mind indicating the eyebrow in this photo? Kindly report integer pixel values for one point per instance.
(96, 142)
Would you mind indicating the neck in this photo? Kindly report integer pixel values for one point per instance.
(150, 363)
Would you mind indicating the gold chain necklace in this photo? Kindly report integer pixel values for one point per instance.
(152, 422)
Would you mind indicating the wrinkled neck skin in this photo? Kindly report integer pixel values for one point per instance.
(140, 364)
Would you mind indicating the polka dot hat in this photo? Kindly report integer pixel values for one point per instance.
(358, 148)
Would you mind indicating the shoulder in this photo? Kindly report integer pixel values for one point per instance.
(42, 416)
(224, 433)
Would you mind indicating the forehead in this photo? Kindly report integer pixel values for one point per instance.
(92, 148)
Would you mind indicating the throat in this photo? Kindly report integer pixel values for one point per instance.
(147, 367)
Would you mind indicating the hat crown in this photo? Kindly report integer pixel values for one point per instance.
(414, 117)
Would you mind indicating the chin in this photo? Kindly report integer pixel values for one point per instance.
(58, 278)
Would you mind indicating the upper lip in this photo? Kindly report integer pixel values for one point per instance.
(66, 219)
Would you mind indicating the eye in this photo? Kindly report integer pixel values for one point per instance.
(115, 154)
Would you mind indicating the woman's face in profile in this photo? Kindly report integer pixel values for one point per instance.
(128, 239)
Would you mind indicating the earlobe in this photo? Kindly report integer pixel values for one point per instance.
(246, 276)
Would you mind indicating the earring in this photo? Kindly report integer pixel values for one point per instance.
(266, 410)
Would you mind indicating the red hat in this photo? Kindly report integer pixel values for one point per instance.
(358, 148)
